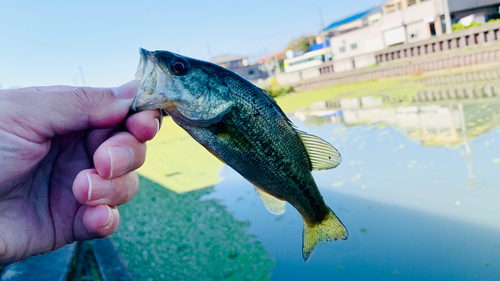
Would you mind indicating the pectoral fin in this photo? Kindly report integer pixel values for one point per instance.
(323, 155)
(273, 204)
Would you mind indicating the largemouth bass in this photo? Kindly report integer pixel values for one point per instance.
(244, 127)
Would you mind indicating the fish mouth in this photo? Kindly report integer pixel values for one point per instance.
(153, 83)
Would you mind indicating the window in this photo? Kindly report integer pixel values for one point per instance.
(354, 46)
(390, 8)
(317, 57)
(411, 2)
(251, 72)
(342, 49)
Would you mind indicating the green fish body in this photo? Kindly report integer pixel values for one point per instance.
(244, 127)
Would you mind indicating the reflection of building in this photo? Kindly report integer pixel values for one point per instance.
(239, 64)
(432, 124)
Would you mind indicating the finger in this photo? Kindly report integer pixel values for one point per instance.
(46, 88)
(97, 222)
(118, 155)
(144, 125)
(78, 108)
(95, 138)
(91, 189)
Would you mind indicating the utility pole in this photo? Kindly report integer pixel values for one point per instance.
(447, 19)
(321, 19)
(81, 76)
(322, 27)
(277, 64)
(209, 52)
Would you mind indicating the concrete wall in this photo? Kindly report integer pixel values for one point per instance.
(418, 31)
(395, 36)
(417, 13)
(310, 73)
(342, 65)
(459, 39)
(368, 39)
(392, 18)
(291, 78)
(365, 60)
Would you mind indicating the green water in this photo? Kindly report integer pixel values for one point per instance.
(169, 236)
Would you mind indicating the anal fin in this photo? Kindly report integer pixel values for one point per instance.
(273, 204)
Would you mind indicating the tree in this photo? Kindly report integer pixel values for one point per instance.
(302, 43)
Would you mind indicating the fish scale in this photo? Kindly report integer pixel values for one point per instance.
(244, 127)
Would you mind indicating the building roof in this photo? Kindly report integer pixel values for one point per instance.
(226, 58)
(348, 20)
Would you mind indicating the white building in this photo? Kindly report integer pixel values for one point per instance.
(394, 22)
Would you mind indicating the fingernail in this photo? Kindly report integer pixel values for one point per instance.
(127, 90)
(157, 123)
(121, 159)
(111, 217)
(102, 192)
(90, 187)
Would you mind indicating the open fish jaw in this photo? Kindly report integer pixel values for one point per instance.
(181, 95)
(154, 84)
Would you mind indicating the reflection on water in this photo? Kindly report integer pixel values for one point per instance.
(451, 124)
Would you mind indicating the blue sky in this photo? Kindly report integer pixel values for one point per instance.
(45, 42)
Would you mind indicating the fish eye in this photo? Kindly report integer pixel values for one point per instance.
(180, 66)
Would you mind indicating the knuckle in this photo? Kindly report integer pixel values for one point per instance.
(88, 98)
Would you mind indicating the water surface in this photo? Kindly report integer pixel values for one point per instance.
(418, 190)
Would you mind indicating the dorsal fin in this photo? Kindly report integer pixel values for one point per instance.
(268, 95)
(273, 204)
(273, 101)
(323, 155)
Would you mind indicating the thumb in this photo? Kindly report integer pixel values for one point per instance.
(81, 108)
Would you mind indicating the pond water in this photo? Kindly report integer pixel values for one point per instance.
(418, 189)
(420, 202)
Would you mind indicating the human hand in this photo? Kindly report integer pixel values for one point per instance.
(67, 158)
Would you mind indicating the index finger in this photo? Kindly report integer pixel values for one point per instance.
(46, 88)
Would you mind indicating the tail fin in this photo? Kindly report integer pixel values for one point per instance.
(331, 228)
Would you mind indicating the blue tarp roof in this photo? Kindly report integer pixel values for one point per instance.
(347, 20)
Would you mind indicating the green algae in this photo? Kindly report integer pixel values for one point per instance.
(168, 236)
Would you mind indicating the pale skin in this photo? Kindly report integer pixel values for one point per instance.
(68, 157)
